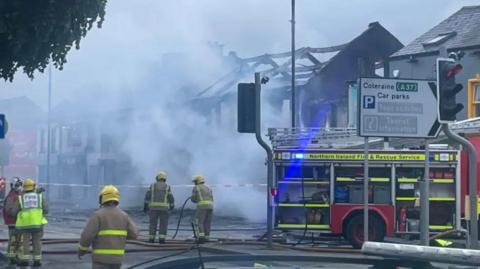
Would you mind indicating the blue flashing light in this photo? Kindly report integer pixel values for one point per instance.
(298, 156)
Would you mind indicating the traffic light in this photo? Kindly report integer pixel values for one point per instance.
(447, 90)
(246, 108)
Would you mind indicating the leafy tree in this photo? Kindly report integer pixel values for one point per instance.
(34, 31)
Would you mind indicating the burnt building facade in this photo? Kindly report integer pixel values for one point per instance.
(323, 76)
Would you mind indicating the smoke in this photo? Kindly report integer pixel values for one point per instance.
(151, 58)
(168, 133)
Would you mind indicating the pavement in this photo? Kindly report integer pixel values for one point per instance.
(68, 224)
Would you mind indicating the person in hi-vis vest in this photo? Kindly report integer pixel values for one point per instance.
(30, 210)
(158, 201)
(203, 197)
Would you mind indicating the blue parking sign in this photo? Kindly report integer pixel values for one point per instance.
(369, 101)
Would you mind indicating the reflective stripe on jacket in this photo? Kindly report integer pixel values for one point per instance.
(107, 231)
(202, 196)
(30, 214)
(159, 196)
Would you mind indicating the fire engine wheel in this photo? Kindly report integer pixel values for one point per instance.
(354, 230)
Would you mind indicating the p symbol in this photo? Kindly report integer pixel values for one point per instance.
(368, 101)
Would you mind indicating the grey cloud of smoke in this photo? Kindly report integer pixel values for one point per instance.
(120, 66)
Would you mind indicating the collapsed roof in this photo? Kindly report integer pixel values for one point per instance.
(310, 62)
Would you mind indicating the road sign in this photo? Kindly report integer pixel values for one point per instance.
(3, 126)
(397, 108)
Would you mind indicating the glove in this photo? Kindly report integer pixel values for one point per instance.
(145, 208)
(172, 206)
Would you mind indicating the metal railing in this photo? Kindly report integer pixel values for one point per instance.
(344, 137)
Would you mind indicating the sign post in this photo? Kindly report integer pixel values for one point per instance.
(399, 108)
(365, 191)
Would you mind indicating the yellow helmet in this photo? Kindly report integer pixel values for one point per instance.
(109, 193)
(161, 175)
(29, 184)
(198, 179)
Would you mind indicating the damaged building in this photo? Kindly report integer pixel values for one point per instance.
(323, 75)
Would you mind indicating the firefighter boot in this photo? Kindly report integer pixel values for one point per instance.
(22, 264)
(37, 264)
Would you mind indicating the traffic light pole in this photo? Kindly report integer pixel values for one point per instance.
(258, 135)
(472, 183)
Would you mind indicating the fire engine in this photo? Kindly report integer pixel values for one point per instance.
(318, 183)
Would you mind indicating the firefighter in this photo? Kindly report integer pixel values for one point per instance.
(3, 187)
(158, 200)
(14, 238)
(107, 231)
(30, 210)
(203, 197)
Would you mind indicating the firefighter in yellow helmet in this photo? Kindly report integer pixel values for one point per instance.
(158, 200)
(203, 197)
(107, 231)
(30, 210)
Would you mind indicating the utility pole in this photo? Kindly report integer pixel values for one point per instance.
(293, 101)
(49, 131)
(258, 135)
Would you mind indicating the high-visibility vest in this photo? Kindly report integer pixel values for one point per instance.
(205, 197)
(31, 211)
(163, 201)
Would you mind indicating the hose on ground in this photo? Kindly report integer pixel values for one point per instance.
(180, 217)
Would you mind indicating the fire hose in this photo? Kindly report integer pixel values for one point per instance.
(181, 216)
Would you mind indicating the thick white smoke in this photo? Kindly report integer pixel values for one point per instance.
(123, 62)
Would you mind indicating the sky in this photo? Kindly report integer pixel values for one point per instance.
(136, 34)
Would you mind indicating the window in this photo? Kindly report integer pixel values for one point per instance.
(352, 104)
(477, 99)
(439, 39)
(42, 141)
(53, 139)
(477, 93)
(74, 136)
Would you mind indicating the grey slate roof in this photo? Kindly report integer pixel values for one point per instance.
(465, 23)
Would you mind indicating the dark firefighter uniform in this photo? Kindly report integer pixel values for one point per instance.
(158, 200)
(9, 204)
(203, 197)
(30, 209)
(107, 231)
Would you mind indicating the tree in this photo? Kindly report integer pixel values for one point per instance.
(34, 32)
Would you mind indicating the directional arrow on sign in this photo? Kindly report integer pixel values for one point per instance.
(436, 125)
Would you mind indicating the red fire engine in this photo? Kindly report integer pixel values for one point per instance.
(319, 185)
